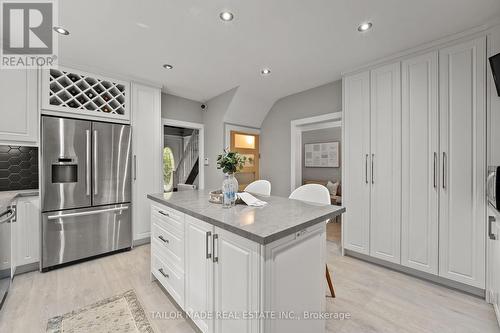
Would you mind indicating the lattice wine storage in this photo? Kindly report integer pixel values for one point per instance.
(78, 93)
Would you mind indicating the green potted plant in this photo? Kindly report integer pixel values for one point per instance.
(230, 162)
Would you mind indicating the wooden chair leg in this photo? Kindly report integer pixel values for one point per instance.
(330, 283)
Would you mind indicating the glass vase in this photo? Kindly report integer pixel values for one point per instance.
(229, 190)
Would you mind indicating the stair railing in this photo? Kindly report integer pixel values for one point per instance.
(188, 159)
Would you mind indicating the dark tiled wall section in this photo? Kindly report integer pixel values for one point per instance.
(18, 168)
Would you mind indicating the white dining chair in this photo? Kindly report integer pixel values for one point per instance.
(259, 187)
(318, 194)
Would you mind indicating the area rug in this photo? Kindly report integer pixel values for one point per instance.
(121, 313)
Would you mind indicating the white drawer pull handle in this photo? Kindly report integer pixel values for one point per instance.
(163, 239)
(163, 273)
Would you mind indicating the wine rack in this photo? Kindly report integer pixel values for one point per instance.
(85, 94)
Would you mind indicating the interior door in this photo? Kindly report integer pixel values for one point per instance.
(385, 222)
(247, 144)
(111, 150)
(355, 169)
(199, 271)
(65, 167)
(420, 170)
(462, 213)
(236, 281)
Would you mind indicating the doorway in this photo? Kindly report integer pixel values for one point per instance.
(246, 144)
(316, 147)
(183, 151)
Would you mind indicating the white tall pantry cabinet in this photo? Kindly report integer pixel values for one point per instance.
(424, 165)
(146, 158)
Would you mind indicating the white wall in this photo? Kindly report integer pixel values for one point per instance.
(275, 130)
(178, 108)
(213, 118)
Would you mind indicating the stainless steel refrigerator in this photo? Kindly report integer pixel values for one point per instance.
(85, 189)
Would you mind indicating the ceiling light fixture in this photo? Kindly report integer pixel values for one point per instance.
(365, 26)
(61, 31)
(265, 72)
(167, 66)
(226, 16)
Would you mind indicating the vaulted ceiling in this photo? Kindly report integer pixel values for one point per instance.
(304, 43)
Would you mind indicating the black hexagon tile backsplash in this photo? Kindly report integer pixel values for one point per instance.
(18, 168)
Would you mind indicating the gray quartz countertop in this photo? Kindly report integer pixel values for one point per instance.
(6, 197)
(279, 218)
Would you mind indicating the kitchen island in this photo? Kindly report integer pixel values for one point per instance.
(243, 269)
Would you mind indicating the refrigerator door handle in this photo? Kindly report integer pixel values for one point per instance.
(87, 165)
(95, 162)
(92, 212)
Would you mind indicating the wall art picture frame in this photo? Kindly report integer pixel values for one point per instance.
(322, 155)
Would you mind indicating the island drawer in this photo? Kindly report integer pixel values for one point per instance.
(168, 245)
(169, 219)
(170, 278)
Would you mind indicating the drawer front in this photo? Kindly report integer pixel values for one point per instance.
(169, 219)
(170, 279)
(168, 245)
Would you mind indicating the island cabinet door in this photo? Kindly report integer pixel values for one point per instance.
(237, 282)
(199, 272)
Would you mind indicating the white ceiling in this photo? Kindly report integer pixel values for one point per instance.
(305, 43)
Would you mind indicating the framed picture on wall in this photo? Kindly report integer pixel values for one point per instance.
(322, 155)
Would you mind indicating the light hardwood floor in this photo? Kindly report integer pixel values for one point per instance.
(377, 299)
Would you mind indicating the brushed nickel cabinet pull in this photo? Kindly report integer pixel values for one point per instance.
(207, 240)
(435, 170)
(163, 239)
(163, 273)
(373, 162)
(366, 168)
(215, 238)
(445, 162)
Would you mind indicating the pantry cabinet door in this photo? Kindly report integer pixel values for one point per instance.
(385, 159)
(462, 215)
(420, 178)
(237, 282)
(356, 170)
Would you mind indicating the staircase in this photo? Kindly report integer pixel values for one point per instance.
(187, 169)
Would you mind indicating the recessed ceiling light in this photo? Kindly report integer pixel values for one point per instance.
(167, 66)
(226, 16)
(265, 72)
(61, 31)
(365, 26)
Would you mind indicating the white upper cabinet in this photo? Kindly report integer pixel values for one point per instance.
(420, 163)
(146, 146)
(85, 95)
(385, 133)
(463, 162)
(356, 170)
(18, 107)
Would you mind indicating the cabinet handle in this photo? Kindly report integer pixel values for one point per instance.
(135, 167)
(215, 238)
(435, 170)
(207, 240)
(373, 162)
(163, 239)
(366, 168)
(445, 162)
(163, 273)
(163, 213)
(491, 235)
